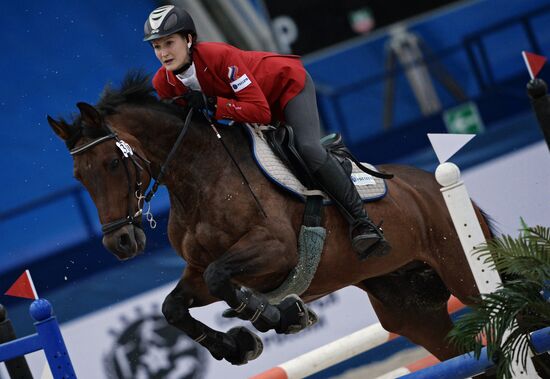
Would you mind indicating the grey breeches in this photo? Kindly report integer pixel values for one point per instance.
(301, 113)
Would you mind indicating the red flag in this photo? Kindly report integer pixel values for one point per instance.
(23, 287)
(533, 62)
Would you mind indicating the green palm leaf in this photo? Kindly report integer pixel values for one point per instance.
(507, 316)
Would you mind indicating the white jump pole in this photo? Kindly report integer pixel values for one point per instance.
(329, 355)
(470, 234)
(466, 224)
(339, 350)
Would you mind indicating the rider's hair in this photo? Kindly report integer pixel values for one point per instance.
(185, 33)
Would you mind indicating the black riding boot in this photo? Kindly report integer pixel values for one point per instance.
(366, 238)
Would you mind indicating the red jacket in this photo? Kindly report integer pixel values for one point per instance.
(251, 86)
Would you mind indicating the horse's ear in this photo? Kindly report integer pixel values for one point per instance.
(89, 115)
(62, 129)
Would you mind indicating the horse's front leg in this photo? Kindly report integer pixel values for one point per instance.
(257, 254)
(237, 346)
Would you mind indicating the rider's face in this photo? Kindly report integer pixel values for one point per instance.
(172, 51)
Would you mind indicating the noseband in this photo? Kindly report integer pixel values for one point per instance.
(127, 155)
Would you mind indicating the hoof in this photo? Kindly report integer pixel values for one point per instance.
(294, 315)
(312, 317)
(249, 346)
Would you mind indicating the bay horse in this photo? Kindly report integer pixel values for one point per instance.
(236, 253)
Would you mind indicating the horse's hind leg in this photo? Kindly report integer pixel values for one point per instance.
(237, 346)
(255, 255)
(414, 304)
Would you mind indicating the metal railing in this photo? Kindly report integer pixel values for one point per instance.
(479, 67)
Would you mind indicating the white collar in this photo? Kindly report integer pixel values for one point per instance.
(189, 78)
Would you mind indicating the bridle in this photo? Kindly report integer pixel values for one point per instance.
(128, 154)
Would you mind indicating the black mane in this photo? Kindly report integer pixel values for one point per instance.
(136, 89)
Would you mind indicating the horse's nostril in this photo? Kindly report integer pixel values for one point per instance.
(124, 241)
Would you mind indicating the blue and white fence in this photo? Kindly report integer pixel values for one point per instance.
(47, 338)
(466, 366)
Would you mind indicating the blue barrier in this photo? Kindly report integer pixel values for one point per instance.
(48, 338)
(465, 366)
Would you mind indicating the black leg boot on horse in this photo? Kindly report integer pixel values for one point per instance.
(290, 316)
(367, 239)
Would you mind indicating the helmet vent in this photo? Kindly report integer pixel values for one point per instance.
(171, 21)
(158, 15)
(167, 20)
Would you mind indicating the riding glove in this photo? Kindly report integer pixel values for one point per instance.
(199, 101)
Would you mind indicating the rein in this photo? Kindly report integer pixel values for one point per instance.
(258, 204)
(158, 179)
(154, 189)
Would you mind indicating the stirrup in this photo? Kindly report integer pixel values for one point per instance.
(369, 243)
(376, 248)
(373, 230)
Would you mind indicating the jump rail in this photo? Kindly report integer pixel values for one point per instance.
(47, 338)
(428, 361)
(329, 355)
(338, 351)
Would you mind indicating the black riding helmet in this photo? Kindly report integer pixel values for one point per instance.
(167, 20)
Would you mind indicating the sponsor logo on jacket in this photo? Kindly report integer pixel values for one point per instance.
(237, 82)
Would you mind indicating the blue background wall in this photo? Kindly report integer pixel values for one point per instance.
(56, 53)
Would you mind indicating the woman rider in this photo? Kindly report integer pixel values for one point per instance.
(255, 87)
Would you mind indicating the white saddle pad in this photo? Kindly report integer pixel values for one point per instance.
(370, 188)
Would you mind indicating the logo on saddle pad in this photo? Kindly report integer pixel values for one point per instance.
(362, 179)
(237, 82)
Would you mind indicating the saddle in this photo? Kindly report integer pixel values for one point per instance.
(282, 142)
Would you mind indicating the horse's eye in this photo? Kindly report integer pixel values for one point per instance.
(114, 164)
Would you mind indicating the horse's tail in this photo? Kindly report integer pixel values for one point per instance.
(491, 222)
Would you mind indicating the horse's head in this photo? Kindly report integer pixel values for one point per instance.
(112, 170)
